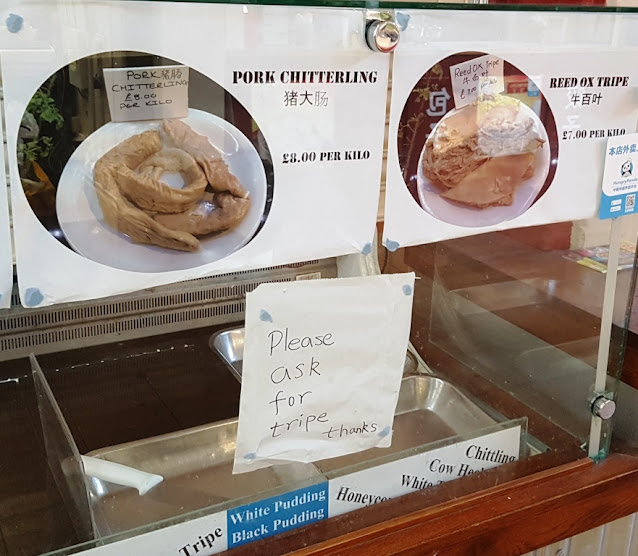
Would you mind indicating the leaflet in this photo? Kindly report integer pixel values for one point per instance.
(234, 151)
(528, 153)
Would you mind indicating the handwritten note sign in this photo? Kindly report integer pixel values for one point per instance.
(323, 361)
(477, 76)
(147, 93)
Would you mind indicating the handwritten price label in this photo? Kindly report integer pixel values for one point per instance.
(477, 76)
(147, 93)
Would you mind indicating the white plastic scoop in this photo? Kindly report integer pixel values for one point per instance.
(120, 474)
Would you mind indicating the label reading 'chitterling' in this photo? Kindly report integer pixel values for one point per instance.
(147, 93)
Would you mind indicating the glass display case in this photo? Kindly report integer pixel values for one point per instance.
(457, 178)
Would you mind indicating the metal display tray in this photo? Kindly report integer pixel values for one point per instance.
(197, 463)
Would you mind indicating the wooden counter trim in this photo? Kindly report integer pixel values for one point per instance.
(508, 519)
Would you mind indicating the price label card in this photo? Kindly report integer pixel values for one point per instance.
(620, 177)
(478, 76)
(147, 93)
(323, 362)
(425, 470)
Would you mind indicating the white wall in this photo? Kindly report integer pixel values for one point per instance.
(593, 232)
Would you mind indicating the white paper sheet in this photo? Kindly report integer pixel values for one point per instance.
(578, 66)
(6, 254)
(322, 368)
(324, 134)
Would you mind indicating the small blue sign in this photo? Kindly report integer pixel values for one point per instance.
(277, 514)
(620, 178)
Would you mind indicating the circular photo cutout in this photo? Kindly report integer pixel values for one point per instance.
(158, 191)
(485, 161)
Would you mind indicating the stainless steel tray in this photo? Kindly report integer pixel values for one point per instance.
(197, 463)
(429, 409)
(229, 345)
(197, 468)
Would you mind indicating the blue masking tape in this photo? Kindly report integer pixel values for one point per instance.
(402, 20)
(15, 23)
(33, 297)
(391, 245)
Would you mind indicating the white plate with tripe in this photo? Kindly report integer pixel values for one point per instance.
(463, 215)
(82, 221)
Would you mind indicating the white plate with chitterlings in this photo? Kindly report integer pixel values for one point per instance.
(468, 216)
(82, 221)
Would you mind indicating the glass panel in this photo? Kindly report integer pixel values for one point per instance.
(63, 457)
(378, 464)
(617, 6)
(145, 394)
(522, 309)
(506, 328)
(509, 308)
